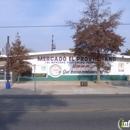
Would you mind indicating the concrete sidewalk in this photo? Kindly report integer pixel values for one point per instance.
(62, 88)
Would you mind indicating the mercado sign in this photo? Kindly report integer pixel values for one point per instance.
(70, 58)
(71, 65)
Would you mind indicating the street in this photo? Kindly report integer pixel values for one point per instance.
(68, 112)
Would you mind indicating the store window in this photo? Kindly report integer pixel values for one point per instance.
(2, 74)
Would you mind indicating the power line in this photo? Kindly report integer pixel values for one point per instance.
(45, 26)
(124, 24)
(41, 26)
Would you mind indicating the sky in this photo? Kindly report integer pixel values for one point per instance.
(50, 12)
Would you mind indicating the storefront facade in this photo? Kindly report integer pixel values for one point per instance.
(64, 66)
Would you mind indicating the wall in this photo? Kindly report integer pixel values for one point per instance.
(69, 68)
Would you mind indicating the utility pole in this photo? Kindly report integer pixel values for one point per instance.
(17, 37)
(53, 46)
(7, 66)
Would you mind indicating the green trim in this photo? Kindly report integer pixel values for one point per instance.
(77, 78)
(114, 77)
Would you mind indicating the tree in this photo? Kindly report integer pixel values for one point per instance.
(127, 52)
(18, 58)
(95, 36)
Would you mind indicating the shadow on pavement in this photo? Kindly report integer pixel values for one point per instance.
(12, 107)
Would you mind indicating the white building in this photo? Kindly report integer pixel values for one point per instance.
(64, 66)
